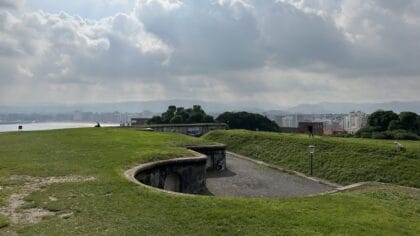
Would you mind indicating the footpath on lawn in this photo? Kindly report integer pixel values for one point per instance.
(75, 179)
(246, 178)
(341, 160)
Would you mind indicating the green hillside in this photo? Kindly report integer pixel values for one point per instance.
(341, 160)
(109, 204)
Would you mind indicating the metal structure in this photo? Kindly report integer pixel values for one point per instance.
(311, 150)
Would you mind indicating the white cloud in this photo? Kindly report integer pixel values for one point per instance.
(25, 72)
(284, 51)
(382, 39)
(11, 4)
(152, 5)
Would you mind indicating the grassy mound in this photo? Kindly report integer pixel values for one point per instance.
(112, 205)
(341, 160)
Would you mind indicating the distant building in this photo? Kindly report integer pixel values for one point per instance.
(288, 121)
(139, 121)
(292, 120)
(316, 128)
(306, 127)
(355, 121)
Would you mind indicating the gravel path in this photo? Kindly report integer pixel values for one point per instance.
(244, 178)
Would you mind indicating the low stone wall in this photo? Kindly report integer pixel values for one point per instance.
(183, 175)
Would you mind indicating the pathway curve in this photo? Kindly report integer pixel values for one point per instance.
(244, 178)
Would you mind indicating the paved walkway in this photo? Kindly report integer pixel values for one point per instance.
(244, 178)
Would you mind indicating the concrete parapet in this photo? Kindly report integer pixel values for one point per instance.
(183, 175)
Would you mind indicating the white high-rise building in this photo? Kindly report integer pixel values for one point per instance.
(354, 121)
(287, 121)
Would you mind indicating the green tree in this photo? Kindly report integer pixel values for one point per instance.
(169, 114)
(408, 121)
(418, 125)
(155, 120)
(180, 111)
(395, 125)
(246, 120)
(388, 125)
(177, 119)
(379, 120)
(197, 108)
(180, 115)
(195, 117)
(208, 119)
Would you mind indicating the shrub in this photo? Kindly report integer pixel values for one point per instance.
(395, 134)
(382, 135)
(403, 134)
(365, 135)
(365, 132)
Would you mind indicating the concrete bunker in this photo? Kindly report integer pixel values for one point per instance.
(172, 182)
(184, 175)
(216, 155)
(240, 176)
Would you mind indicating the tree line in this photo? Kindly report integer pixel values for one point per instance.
(381, 124)
(180, 115)
(390, 125)
(234, 120)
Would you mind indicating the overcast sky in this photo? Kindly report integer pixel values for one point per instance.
(282, 52)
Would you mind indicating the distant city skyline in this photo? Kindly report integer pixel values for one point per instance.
(270, 54)
(160, 106)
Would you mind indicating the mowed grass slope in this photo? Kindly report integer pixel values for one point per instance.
(341, 160)
(111, 205)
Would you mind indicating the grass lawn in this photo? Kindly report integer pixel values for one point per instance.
(111, 205)
(341, 160)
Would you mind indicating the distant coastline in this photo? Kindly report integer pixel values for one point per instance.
(36, 126)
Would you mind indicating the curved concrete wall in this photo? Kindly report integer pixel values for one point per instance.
(184, 175)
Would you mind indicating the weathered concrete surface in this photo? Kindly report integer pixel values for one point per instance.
(216, 155)
(244, 178)
(184, 175)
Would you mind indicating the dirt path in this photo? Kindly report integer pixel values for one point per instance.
(13, 209)
(244, 178)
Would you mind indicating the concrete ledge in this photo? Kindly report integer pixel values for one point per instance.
(360, 185)
(364, 185)
(197, 159)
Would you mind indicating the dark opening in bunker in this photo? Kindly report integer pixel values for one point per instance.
(172, 182)
(184, 175)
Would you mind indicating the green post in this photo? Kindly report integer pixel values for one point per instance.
(311, 149)
(311, 163)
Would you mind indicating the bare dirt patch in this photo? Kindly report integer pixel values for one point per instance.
(13, 210)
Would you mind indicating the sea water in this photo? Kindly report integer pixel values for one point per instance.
(49, 126)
